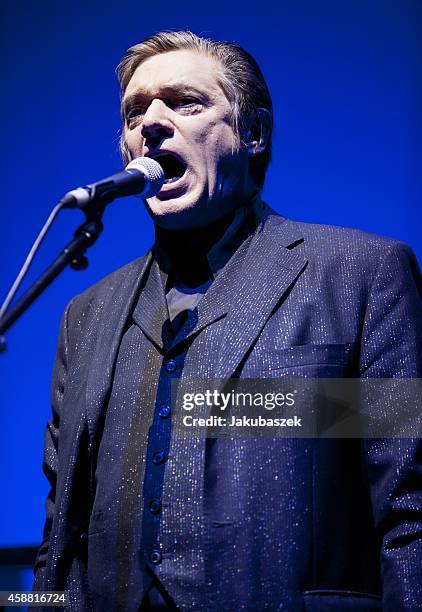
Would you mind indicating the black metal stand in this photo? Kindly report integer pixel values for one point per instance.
(73, 254)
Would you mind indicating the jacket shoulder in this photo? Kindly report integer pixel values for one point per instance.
(336, 236)
(334, 243)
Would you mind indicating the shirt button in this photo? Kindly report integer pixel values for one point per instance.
(164, 412)
(158, 457)
(156, 557)
(155, 506)
(170, 366)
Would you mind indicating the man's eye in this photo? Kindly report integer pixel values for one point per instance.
(134, 113)
(187, 104)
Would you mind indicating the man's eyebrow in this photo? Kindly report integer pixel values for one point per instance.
(177, 89)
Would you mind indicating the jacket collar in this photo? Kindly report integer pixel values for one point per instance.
(246, 291)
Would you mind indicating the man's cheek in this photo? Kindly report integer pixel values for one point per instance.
(133, 144)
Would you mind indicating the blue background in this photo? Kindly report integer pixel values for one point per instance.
(346, 79)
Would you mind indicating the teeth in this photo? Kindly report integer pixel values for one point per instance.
(172, 179)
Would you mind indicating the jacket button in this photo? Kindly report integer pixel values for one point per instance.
(164, 412)
(158, 457)
(170, 366)
(156, 557)
(155, 506)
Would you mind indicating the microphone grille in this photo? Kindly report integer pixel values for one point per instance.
(152, 171)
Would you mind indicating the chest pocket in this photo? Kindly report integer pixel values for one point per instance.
(310, 360)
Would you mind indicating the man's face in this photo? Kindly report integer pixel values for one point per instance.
(176, 112)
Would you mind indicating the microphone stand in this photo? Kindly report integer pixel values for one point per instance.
(73, 254)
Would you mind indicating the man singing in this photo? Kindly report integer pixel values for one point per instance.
(141, 519)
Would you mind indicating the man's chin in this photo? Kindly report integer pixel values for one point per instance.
(180, 212)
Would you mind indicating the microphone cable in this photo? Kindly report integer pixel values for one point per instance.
(30, 257)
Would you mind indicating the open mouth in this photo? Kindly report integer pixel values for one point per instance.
(174, 168)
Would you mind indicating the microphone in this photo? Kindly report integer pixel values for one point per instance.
(143, 176)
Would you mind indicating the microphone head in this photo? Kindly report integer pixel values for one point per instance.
(152, 171)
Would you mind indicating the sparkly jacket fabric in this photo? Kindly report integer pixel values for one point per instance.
(248, 523)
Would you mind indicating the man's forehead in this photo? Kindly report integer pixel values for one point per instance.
(183, 67)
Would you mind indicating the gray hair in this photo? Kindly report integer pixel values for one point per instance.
(241, 80)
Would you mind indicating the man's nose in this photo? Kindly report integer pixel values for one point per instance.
(155, 124)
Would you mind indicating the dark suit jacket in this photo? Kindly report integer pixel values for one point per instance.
(287, 524)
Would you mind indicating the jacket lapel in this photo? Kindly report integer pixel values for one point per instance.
(270, 268)
(151, 312)
(118, 305)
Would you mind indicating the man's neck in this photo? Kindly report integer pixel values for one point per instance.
(195, 255)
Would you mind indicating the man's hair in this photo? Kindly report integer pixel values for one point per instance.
(241, 80)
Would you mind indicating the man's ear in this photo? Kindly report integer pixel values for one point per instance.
(258, 133)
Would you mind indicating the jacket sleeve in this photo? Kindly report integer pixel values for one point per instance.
(392, 348)
(51, 446)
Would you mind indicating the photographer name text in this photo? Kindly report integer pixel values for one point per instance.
(243, 421)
